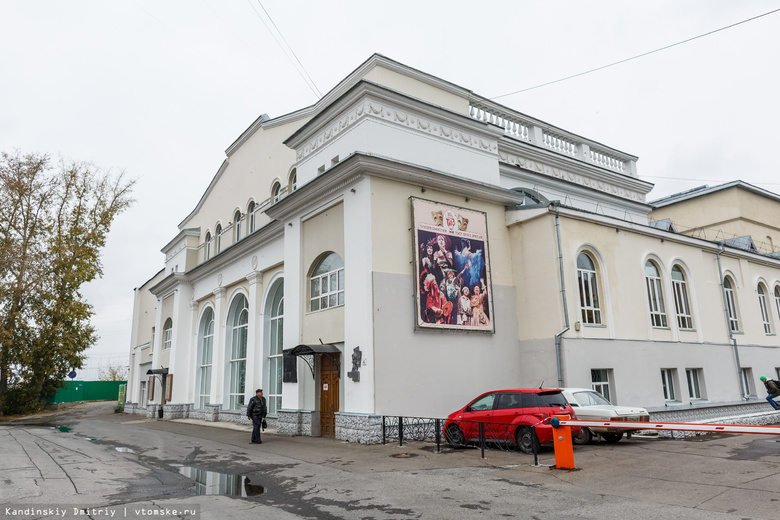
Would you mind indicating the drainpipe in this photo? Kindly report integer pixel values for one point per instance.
(563, 297)
(728, 324)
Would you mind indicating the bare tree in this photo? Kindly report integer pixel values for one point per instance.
(113, 372)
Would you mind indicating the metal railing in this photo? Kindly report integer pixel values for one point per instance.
(459, 433)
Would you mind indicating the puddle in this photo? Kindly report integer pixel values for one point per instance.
(216, 483)
(122, 449)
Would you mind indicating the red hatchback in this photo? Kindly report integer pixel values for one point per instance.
(508, 416)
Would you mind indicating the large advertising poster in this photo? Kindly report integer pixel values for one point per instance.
(452, 268)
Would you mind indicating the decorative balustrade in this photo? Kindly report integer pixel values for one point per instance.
(526, 129)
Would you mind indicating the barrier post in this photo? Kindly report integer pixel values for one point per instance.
(482, 438)
(400, 431)
(437, 423)
(564, 451)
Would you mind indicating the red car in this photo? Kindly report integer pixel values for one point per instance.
(508, 416)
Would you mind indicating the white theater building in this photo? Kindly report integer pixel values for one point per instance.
(326, 262)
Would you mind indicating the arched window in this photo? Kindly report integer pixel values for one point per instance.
(168, 334)
(250, 211)
(762, 304)
(589, 292)
(655, 295)
(276, 192)
(237, 226)
(731, 305)
(238, 320)
(206, 350)
(218, 239)
(208, 245)
(275, 361)
(681, 307)
(327, 283)
(293, 180)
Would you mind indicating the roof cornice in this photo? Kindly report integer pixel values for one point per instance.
(376, 60)
(571, 169)
(328, 120)
(706, 190)
(360, 164)
(206, 193)
(268, 233)
(705, 245)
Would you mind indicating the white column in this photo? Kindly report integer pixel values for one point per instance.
(182, 346)
(218, 354)
(194, 361)
(254, 350)
(358, 299)
(156, 348)
(293, 393)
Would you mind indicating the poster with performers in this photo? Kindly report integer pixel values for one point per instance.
(452, 268)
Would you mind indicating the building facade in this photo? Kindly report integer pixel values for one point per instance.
(405, 244)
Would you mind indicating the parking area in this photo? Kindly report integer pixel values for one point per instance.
(92, 456)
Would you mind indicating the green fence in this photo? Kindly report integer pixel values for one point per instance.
(74, 391)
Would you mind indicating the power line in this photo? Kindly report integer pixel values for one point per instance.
(192, 47)
(300, 68)
(637, 56)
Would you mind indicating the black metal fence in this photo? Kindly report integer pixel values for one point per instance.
(457, 433)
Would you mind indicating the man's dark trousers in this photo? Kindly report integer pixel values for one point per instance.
(256, 423)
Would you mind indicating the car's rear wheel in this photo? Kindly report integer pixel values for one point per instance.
(612, 438)
(526, 440)
(454, 436)
(584, 437)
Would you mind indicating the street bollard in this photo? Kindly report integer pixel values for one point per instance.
(482, 438)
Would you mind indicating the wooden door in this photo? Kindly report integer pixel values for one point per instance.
(329, 395)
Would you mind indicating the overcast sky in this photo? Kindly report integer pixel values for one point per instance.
(160, 88)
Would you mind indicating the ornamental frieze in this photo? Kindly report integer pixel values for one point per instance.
(397, 117)
(569, 176)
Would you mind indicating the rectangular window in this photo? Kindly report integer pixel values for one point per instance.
(276, 365)
(764, 311)
(327, 290)
(205, 371)
(667, 379)
(694, 375)
(600, 381)
(747, 382)
(731, 307)
(656, 300)
(167, 338)
(589, 297)
(684, 319)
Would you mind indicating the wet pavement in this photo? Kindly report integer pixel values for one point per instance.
(89, 457)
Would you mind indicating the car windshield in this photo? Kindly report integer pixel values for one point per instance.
(551, 399)
(590, 398)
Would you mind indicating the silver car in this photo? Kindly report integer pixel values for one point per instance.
(590, 405)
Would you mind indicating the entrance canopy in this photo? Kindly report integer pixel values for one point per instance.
(307, 353)
(157, 372)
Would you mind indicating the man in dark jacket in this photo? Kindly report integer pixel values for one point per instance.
(773, 389)
(256, 412)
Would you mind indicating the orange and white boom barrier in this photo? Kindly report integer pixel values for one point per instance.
(683, 427)
(564, 453)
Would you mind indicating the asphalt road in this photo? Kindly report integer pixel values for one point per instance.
(90, 458)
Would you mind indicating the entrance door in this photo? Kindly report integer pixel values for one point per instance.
(329, 394)
(142, 401)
